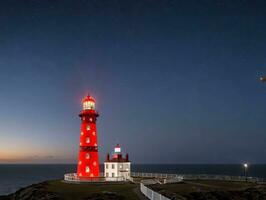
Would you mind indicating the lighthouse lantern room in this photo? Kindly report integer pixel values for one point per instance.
(88, 159)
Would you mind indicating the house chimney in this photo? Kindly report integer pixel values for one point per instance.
(107, 157)
(127, 157)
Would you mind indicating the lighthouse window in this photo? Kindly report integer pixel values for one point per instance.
(87, 105)
(94, 163)
(87, 169)
(91, 105)
(87, 156)
(87, 140)
(88, 128)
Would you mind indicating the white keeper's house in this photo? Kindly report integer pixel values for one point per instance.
(117, 168)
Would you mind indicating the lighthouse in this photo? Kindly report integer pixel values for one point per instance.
(88, 159)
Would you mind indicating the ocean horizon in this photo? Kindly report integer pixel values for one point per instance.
(16, 176)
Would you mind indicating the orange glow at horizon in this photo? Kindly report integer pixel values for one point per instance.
(25, 152)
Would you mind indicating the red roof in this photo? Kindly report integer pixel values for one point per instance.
(119, 159)
(88, 98)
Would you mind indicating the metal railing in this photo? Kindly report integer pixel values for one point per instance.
(72, 177)
(197, 177)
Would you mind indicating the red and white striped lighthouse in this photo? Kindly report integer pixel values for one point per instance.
(88, 160)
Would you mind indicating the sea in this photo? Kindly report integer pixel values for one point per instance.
(16, 176)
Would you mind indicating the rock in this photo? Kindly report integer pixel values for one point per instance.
(105, 196)
(32, 192)
(4, 198)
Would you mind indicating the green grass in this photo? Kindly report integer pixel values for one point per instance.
(225, 185)
(80, 191)
(200, 185)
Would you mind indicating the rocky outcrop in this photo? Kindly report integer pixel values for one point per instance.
(105, 196)
(40, 192)
(32, 192)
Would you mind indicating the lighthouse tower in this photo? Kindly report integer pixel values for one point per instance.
(88, 160)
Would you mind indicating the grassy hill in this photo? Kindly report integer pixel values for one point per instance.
(57, 190)
(187, 190)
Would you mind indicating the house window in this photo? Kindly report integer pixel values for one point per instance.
(107, 174)
(106, 166)
(88, 128)
(87, 169)
(113, 174)
(87, 140)
(113, 166)
(87, 156)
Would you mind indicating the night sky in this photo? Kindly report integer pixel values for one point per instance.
(174, 81)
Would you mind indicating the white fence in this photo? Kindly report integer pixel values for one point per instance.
(151, 194)
(173, 180)
(197, 177)
(72, 177)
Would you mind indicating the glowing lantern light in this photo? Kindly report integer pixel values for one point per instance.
(117, 149)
